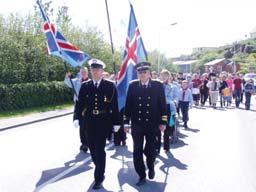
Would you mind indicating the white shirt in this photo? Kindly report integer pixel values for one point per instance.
(98, 82)
(146, 84)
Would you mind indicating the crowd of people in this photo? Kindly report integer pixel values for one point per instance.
(152, 104)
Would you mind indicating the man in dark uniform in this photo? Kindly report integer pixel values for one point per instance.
(97, 104)
(77, 82)
(146, 107)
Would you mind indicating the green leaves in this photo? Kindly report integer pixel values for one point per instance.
(26, 95)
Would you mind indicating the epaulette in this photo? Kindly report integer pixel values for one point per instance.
(87, 81)
(164, 118)
(111, 81)
(134, 81)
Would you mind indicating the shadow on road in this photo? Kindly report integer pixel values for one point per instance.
(169, 162)
(122, 151)
(127, 175)
(191, 129)
(99, 190)
(252, 110)
(181, 135)
(52, 173)
(179, 143)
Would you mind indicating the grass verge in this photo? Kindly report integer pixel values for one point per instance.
(21, 112)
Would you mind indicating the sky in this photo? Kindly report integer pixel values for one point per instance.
(200, 23)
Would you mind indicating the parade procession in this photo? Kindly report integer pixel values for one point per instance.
(79, 114)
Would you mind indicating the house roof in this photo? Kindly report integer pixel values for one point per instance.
(214, 62)
(190, 62)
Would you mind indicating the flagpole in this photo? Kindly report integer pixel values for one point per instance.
(59, 50)
(66, 69)
(111, 41)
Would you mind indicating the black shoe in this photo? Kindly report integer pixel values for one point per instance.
(97, 185)
(123, 143)
(141, 182)
(84, 148)
(151, 173)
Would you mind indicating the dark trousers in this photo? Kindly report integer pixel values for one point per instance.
(247, 100)
(82, 129)
(82, 133)
(196, 97)
(119, 136)
(139, 150)
(203, 97)
(242, 96)
(222, 102)
(167, 133)
(184, 107)
(97, 135)
(237, 95)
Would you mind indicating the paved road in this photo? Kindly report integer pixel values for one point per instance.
(217, 154)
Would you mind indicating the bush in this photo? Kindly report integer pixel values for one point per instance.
(26, 95)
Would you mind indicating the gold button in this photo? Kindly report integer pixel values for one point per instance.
(139, 119)
(139, 104)
(146, 119)
(148, 97)
(95, 107)
(96, 103)
(139, 98)
(96, 95)
(139, 111)
(148, 105)
(147, 112)
(96, 99)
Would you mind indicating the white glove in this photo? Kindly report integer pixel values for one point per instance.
(127, 128)
(76, 123)
(116, 128)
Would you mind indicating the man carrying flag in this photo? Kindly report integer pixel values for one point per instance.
(134, 52)
(145, 104)
(57, 45)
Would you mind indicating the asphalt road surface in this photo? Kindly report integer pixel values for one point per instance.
(216, 154)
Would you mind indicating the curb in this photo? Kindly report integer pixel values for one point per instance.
(35, 121)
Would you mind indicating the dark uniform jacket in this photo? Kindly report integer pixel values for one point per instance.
(145, 107)
(100, 102)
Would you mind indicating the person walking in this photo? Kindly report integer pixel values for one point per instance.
(77, 82)
(249, 89)
(185, 100)
(146, 108)
(97, 105)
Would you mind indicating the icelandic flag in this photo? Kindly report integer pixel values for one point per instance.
(134, 53)
(57, 44)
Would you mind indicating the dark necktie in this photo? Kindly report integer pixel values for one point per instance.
(144, 86)
(183, 94)
(96, 85)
